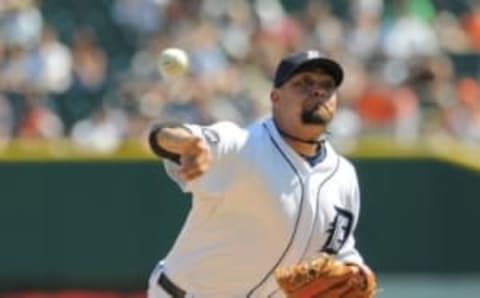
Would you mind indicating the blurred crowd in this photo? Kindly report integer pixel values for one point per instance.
(87, 70)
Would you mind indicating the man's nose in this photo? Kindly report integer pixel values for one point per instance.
(318, 92)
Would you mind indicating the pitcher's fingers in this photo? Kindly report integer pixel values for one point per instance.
(197, 146)
(193, 170)
(191, 174)
(199, 160)
(203, 158)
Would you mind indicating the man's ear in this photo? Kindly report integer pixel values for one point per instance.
(274, 96)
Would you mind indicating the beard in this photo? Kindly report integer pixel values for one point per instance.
(315, 116)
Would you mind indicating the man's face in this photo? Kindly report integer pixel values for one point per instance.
(308, 98)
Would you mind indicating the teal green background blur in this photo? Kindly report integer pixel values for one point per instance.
(104, 224)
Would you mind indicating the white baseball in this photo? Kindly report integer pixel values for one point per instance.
(173, 62)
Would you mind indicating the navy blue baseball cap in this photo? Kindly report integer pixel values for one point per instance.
(306, 60)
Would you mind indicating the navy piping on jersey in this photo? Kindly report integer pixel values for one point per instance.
(337, 166)
(302, 199)
(317, 212)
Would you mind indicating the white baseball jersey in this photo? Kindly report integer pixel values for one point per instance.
(260, 206)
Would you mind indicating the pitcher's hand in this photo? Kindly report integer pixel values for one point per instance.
(195, 160)
(195, 156)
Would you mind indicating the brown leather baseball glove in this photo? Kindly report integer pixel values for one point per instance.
(325, 277)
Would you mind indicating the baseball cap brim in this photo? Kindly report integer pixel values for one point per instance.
(327, 65)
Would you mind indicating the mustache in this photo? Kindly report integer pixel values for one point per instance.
(310, 117)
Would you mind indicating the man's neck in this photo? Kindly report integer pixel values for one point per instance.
(303, 146)
(303, 149)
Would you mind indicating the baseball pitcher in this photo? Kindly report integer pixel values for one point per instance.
(274, 206)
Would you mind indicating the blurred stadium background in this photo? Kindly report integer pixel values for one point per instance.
(85, 210)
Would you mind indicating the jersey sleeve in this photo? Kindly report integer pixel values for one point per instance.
(349, 252)
(225, 140)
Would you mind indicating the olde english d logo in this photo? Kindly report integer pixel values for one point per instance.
(338, 231)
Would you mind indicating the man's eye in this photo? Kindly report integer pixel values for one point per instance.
(309, 83)
(327, 85)
(299, 84)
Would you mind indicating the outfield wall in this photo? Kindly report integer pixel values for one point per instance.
(103, 224)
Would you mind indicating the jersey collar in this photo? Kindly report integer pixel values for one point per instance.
(328, 163)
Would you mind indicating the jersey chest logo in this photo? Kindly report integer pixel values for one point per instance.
(338, 231)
